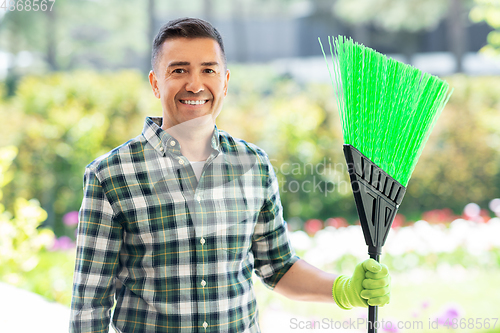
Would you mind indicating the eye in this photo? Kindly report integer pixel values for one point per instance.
(179, 71)
(209, 71)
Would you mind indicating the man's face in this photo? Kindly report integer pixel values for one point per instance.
(190, 79)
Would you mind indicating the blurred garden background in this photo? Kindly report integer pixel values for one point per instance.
(73, 85)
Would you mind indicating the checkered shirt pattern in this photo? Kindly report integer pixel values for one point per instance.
(177, 255)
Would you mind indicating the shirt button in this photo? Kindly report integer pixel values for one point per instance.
(205, 324)
(181, 161)
(198, 198)
(203, 283)
(202, 240)
(172, 143)
(161, 148)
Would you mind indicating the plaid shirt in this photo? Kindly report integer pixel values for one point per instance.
(176, 254)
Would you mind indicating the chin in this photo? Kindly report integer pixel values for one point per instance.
(198, 121)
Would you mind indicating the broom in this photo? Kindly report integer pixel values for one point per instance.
(387, 110)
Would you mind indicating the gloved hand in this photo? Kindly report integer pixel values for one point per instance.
(369, 285)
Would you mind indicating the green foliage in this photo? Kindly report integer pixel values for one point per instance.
(25, 261)
(387, 108)
(20, 238)
(461, 162)
(489, 12)
(61, 123)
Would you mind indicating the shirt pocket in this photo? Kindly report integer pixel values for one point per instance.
(236, 221)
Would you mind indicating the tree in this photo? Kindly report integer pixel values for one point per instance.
(151, 30)
(457, 31)
(208, 10)
(238, 22)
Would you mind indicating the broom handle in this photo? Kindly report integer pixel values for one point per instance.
(373, 310)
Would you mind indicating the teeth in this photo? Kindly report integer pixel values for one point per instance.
(193, 102)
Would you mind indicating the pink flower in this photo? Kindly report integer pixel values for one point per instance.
(446, 318)
(312, 226)
(71, 218)
(495, 206)
(439, 216)
(63, 243)
(399, 220)
(337, 222)
(472, 211)
(484, 215)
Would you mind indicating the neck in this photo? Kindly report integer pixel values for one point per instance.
(194, 136)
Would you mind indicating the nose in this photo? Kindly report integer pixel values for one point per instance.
(194, 84)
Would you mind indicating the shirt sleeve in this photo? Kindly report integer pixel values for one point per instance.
(273, 254)
(98, 245)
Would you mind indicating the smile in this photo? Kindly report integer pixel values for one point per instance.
(191, 102)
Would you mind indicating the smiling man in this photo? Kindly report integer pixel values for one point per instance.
(190, 78)
(175, 221)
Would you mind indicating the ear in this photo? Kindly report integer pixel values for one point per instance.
(228, 74)
(154, 84)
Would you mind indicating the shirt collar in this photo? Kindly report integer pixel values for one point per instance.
(240, 159)
(163, 141)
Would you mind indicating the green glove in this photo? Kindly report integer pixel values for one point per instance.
(369, 285)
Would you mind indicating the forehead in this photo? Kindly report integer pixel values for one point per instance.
(192, 50)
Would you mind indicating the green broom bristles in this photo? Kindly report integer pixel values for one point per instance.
(387, 108)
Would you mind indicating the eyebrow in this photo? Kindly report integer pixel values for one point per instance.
(178, 63)
(210, 63)
(186, 63)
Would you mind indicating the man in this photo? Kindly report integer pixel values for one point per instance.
(174, 222)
